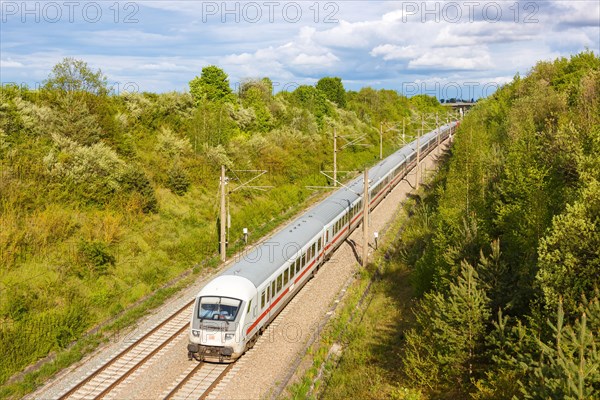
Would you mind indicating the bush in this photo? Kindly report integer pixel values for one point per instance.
(95, 257)
(178, 182)
(136, 181)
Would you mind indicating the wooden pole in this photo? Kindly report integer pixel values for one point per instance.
(365, 254)
(381, 140)
(437, 127)
(417, 175)
(403, 139)
(334, 158)
(223, 239)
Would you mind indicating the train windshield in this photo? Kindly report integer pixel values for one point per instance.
(219, 308)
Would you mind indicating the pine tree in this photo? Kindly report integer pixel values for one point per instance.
(569, 256)
(561, 364)
(570, 364)
(450, 330)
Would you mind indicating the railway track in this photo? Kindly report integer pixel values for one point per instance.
(198, 381)
(108, 376)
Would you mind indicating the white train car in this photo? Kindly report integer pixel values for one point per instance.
(234, 308)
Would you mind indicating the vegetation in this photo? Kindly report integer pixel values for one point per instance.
(104, 198)
(502, 257)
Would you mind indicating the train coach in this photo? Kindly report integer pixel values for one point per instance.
(233, 309)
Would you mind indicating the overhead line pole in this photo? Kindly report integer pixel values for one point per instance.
(417, 175)
(334, 158)
(223, 239)
(437, 127)
(381, 140)
(365, 254)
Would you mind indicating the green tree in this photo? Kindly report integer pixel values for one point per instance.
(257, 95)
(443, 349)
(569, 256)
(333, 89)
(72, 75)
(555, 361)
(211, 85)
(311, 100)
(73, 120)
(569, 366)
(178, 180)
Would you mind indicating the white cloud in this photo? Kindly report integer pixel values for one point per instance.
(480, 32)
(393, 52)
(306, 60)
(455, 58)
(8, 63)
(577, 13)
(134, 38)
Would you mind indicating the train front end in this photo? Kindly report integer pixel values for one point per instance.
(219, 316)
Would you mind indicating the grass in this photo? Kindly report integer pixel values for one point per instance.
(112, 331)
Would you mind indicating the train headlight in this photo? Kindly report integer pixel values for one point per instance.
(229, 336)
(196, 333)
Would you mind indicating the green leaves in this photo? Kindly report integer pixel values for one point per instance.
(212, 85)
(333, 89)
(569, 256)
(72, 75)
(450, 329)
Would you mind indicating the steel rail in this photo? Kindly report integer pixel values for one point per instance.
(128, 349)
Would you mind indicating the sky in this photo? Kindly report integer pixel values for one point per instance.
(462, 49)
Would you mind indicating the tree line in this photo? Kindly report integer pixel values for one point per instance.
(505, 251)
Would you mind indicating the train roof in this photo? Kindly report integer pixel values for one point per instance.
(265, 258)
(229, 286)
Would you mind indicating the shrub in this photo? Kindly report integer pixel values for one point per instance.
(95, 257)
(178, 182)
(170, 145)
(135, 180)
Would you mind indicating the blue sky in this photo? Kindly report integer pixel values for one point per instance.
(443, 48)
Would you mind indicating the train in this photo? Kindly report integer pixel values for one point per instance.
(234, 308)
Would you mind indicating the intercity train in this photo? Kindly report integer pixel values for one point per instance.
(234, 308)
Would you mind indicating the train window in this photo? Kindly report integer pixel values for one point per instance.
(314, 251)
(291, 271)
(262, 300)
(327, 236)
(222, 308)
(303, 260)
(273, 289)
(249, 305)
(286, 277)
(320, 243)
(298, 265)
(279, 283)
